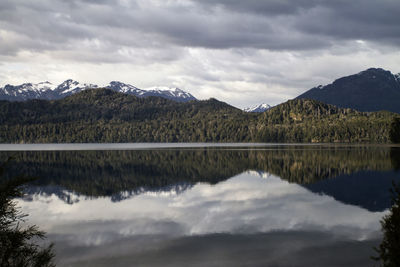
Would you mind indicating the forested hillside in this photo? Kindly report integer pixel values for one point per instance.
(303, 120)
(102, 115)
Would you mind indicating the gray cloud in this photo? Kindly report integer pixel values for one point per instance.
(376, 21)
(279, 47)
(271, 8)
(273, 25)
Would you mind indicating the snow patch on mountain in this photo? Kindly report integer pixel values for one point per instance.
(28, 87)
(42, 86)
(173, 93)
(124, 88)
(258, 108)
(69, 87)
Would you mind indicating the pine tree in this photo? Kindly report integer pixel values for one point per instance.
(16, 243)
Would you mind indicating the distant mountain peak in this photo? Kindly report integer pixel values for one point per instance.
(173, 93)
(49, 91)
(165, 89)
(258, 108)
(373, 89)
(376, 70)
(124, 88)
(69, 87)
(70, 81)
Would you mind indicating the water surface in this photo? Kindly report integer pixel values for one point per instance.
(196, 205)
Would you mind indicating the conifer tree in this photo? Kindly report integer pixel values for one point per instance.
(17, 246)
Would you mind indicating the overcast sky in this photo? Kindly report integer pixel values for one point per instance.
(243, 52)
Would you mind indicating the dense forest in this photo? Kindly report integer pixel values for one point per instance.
(102, 115)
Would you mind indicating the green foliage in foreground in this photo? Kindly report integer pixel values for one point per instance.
(389, 249)
(102, 115)
(17, 246)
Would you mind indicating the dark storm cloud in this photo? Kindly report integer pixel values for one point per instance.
(350, 20)
(69, 25)
(376, 21)
(271, 7)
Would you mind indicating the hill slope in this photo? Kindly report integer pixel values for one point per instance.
(103, 115)
(370, 90)
(305, 120)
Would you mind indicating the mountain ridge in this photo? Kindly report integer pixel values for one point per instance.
(373, 89)
(48, 91)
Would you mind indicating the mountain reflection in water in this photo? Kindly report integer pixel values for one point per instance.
(358, 175)
(280, 206)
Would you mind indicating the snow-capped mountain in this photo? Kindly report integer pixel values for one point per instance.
(42, 90)
(49, 91)
(124, 88)
(27, 91)
(70, 87)
(175, 94)
(172, 93)
(258, 108)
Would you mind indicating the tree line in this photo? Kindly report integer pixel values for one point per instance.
(102, 115)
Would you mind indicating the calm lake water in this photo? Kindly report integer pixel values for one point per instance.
(208, 205)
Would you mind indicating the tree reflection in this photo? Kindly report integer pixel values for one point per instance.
(108, 173)
(395, 157)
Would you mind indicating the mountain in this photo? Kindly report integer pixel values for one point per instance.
(43, 90)
(103, 115)
(258, 108)
(124, 88)
(171, 93)
(49, 91)
(175, 94)
(370, 90)
(70, 87)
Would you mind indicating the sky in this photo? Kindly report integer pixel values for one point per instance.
(240, 52)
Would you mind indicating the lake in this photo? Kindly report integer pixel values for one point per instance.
(208, 204)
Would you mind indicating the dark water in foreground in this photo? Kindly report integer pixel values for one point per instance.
(273, 205)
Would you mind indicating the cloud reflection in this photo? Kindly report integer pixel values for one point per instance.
(244, 204)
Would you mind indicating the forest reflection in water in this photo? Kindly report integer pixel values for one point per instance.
(203, 205)
(360, 171)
